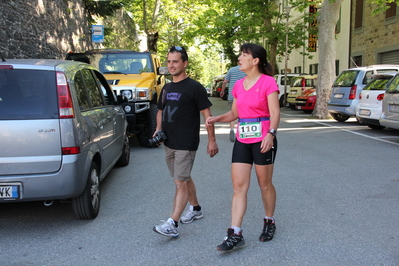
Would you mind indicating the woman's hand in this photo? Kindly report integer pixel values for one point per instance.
(267, 143)
(210, 121)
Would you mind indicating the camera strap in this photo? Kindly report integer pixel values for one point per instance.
(164, 92)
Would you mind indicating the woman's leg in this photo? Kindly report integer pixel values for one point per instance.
(264, 174)
(240, 176)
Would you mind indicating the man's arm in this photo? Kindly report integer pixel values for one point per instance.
(223, 87)
(212, 149)
(159, 122)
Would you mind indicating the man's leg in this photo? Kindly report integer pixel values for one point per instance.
(181, 198)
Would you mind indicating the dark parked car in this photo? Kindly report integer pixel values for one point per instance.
(62, 131)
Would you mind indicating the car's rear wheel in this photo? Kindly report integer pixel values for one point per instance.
(125, 157)
(375, 127)
(150, 127)
(340, 117)
(281, 100)
(87, 205)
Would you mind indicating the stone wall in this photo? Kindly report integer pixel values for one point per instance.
(43, 28)
(375, 36)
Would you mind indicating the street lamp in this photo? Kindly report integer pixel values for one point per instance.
(287, 12)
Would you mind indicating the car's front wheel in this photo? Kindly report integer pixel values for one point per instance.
(125, 157)
(150, 126)
(87, 205)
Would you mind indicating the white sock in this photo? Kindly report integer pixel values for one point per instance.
(237, 230)
(269, 218)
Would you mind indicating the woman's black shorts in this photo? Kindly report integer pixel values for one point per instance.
(250, 153)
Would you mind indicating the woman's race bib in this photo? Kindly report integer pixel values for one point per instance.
(250, 130)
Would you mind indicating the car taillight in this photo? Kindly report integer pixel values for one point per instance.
(352, 93)
(360, 96)
(380, 97)
(64, 97)
(70, 150)
(6, 67)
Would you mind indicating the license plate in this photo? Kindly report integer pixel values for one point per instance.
(299, 107)
(338, 96)
(364, 112)
(293, 92)
(393, 108)
(9, 192)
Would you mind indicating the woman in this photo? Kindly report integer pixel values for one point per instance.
(257, 108)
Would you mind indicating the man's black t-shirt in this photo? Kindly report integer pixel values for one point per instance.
(181, 103)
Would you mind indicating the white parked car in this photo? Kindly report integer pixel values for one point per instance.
(390, 105)
(369, 109)
(280, 80)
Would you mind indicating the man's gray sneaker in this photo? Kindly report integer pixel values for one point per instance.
(167, 228)
(191, 215)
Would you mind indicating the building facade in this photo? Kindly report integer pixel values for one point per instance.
(361, 39)
(374, 38)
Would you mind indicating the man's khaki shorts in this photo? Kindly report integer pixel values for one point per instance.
(180, 163)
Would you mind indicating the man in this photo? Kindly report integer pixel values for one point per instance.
(231, 77)
(179, 107)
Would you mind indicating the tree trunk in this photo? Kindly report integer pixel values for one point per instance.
(152, 41)
(327, 20)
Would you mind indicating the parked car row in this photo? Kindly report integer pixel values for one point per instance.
(370, 93)
(62, 130)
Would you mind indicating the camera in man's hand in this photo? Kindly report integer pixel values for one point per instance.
(158, 139)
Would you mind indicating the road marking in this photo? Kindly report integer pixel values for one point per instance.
(360, 134)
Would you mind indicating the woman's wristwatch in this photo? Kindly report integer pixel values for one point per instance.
(272, 132)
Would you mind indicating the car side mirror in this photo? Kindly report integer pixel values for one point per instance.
(122, 99)
(163, 71)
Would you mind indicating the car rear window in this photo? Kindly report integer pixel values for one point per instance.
(377, 84)
(27, 94)
(393, 87)
(298, 82)
(346, 78)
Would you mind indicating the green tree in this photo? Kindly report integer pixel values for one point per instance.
(231, 23)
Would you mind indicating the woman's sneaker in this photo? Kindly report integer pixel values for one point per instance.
(191, 215)
(167, 228)
(269, 228)
(231, 240)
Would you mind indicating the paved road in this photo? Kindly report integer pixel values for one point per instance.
(337, 187)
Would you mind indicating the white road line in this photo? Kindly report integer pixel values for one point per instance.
(360, 134)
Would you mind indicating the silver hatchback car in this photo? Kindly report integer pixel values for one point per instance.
(390, 105)
(62, 131)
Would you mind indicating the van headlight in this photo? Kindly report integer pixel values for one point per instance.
(127, 93)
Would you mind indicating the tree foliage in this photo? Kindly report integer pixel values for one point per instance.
(100, 8)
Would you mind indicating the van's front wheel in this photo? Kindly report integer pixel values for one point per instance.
(87, 205)
(150, 126)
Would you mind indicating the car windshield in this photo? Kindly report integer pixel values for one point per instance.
(121, 63)
(28, 94)
(393, 87)
(346, 78)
